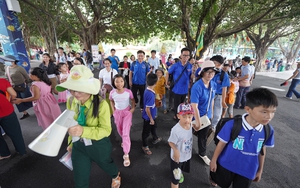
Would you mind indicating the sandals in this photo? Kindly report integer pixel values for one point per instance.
(126, 162)
(6, 157)
(116, 182)
(157, 140)
(146, 150)
(212, 183)
(165, 111)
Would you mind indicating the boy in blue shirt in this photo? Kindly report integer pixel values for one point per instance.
(149, 114)
(240, 162)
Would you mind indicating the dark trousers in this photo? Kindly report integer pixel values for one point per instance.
(11, 127)
(202, 139)
(171, 99)
(25, 94)
(178, 99)
(141, 88)
(224, 178)
(147, 128)
(240, 100)
(83, 156)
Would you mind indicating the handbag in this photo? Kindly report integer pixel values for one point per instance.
(17, 88)
(108, 87)
(172, 84)
(205, 121)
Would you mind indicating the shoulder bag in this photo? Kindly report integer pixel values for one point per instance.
(175, 82)
(108, 87)
(17, 88)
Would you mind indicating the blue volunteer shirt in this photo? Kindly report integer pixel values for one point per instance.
(139, 71)
(114, 62)
(242, 155)
(181, 87)
(200, 95)
(224, 83)
(149, 101)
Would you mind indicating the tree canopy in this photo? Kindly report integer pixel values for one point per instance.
(92, 21)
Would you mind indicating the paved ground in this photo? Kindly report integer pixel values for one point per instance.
(281, 167)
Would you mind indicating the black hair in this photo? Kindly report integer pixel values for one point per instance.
(96, 103)
(70, 64)
(153, 51)
(151, 79)
(107, 59)
(176, 60)
(79, 59)
(47, 54)
(118, 76)
(112, 50)
(233, 72)
(60, 65)
(140, 52)
(217, 58)
(41, 74)
(60, 48)
(160, 69)
(185, 49)
(237, 68)
(261, 97)
(125, 56)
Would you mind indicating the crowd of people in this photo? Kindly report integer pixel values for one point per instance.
(197, 93)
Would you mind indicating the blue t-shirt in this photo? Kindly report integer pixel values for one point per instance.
(139, 71)
(114, 62)
(197, 71)
(242, 155)
(200, 95)
(149, 101)
(220, 85)
(182, 86)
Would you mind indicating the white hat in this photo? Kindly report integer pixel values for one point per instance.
(207, 64)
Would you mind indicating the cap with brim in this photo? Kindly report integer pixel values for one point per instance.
(207, 64)
(10, 58)
(185, 109)
(80, 79)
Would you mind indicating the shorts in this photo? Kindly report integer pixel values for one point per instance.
(184, 166)
(224, 178)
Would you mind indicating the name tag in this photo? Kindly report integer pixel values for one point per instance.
(87, 142)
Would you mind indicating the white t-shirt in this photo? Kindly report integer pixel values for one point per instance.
(154, 62)
(183, 139)
(106, 76)
(122, 100)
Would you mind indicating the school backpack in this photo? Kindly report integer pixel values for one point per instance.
(236, 129)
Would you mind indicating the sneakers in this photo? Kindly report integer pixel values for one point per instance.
(288, 97)
(205, 159)
(24, 116)
(116, 182)
(157, 140)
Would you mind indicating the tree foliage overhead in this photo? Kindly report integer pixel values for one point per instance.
(91, 21)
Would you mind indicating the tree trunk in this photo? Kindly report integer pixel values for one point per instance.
(260, 57)
(26, 37)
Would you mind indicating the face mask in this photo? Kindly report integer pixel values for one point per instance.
(7, 63)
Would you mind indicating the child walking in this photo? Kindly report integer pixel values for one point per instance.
(230, 98)
(160, 89)
(241, 161)
(64, 73)
(181, 143)
(44, 103)
(122, 111)
(149, 113)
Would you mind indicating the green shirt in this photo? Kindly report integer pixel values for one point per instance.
(96, 127)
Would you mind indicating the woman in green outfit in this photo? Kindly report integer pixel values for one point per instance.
(93, 129)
